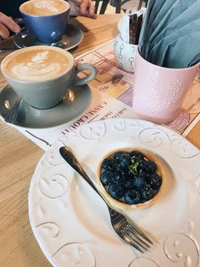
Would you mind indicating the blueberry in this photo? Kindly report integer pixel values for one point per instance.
(136, 154)
(146, 176)
(124, 160)
(119, 176)
(155, 181)
(117, 155)
(131, 173)
(132, 196)
(141, 166)
(116, 191)
(150, 167)
(109, 164)
(128, 184)
(147, 193)
(139, 181)
(107, 177)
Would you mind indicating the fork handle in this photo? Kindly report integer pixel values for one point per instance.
(69, 157)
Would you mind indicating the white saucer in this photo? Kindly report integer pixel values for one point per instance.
(74, 103)
(72, 37)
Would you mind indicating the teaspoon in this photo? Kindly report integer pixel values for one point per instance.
(11, 117)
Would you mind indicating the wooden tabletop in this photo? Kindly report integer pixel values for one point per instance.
(19, 157)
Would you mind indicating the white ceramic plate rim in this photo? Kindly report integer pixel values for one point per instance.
(57, 213)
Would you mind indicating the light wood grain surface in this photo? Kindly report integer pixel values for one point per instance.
(19, 157)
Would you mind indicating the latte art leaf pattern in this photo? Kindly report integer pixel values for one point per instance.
(40, 57)
(38, 64)
(34, 69)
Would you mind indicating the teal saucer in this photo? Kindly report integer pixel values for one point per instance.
(74, 103)
(72, 37)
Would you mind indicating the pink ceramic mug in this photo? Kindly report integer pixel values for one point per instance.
(159, 92)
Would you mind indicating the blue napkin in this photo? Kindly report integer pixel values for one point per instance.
(178, 47)
(170, 34)
(171, 21)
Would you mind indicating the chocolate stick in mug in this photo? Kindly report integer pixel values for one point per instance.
(140, 21)
(133, 29)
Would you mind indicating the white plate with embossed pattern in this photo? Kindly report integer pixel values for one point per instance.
(71, 222)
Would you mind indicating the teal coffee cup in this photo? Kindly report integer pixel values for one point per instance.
(41, 75)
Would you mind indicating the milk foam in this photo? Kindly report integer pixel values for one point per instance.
(36, 65)
(44, 7)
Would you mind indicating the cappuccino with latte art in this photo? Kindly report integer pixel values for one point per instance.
(47, 20)
(36, 64)
(41, 75)
(44, 7)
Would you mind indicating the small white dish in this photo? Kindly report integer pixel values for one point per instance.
(71, 222)
(74, 103)
(125, 54)
(72, 37)
(119, 25)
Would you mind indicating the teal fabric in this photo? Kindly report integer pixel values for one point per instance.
(170, 34)
(171, 24)
(11, 7)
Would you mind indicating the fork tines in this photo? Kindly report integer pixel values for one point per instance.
(135, 237)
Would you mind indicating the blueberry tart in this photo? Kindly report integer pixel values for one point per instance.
(130, 178)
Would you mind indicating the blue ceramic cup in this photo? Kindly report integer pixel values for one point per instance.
(46, 19)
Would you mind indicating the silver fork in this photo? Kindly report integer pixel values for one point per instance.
(127, 231)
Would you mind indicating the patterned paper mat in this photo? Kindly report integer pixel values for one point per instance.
(115, 87)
